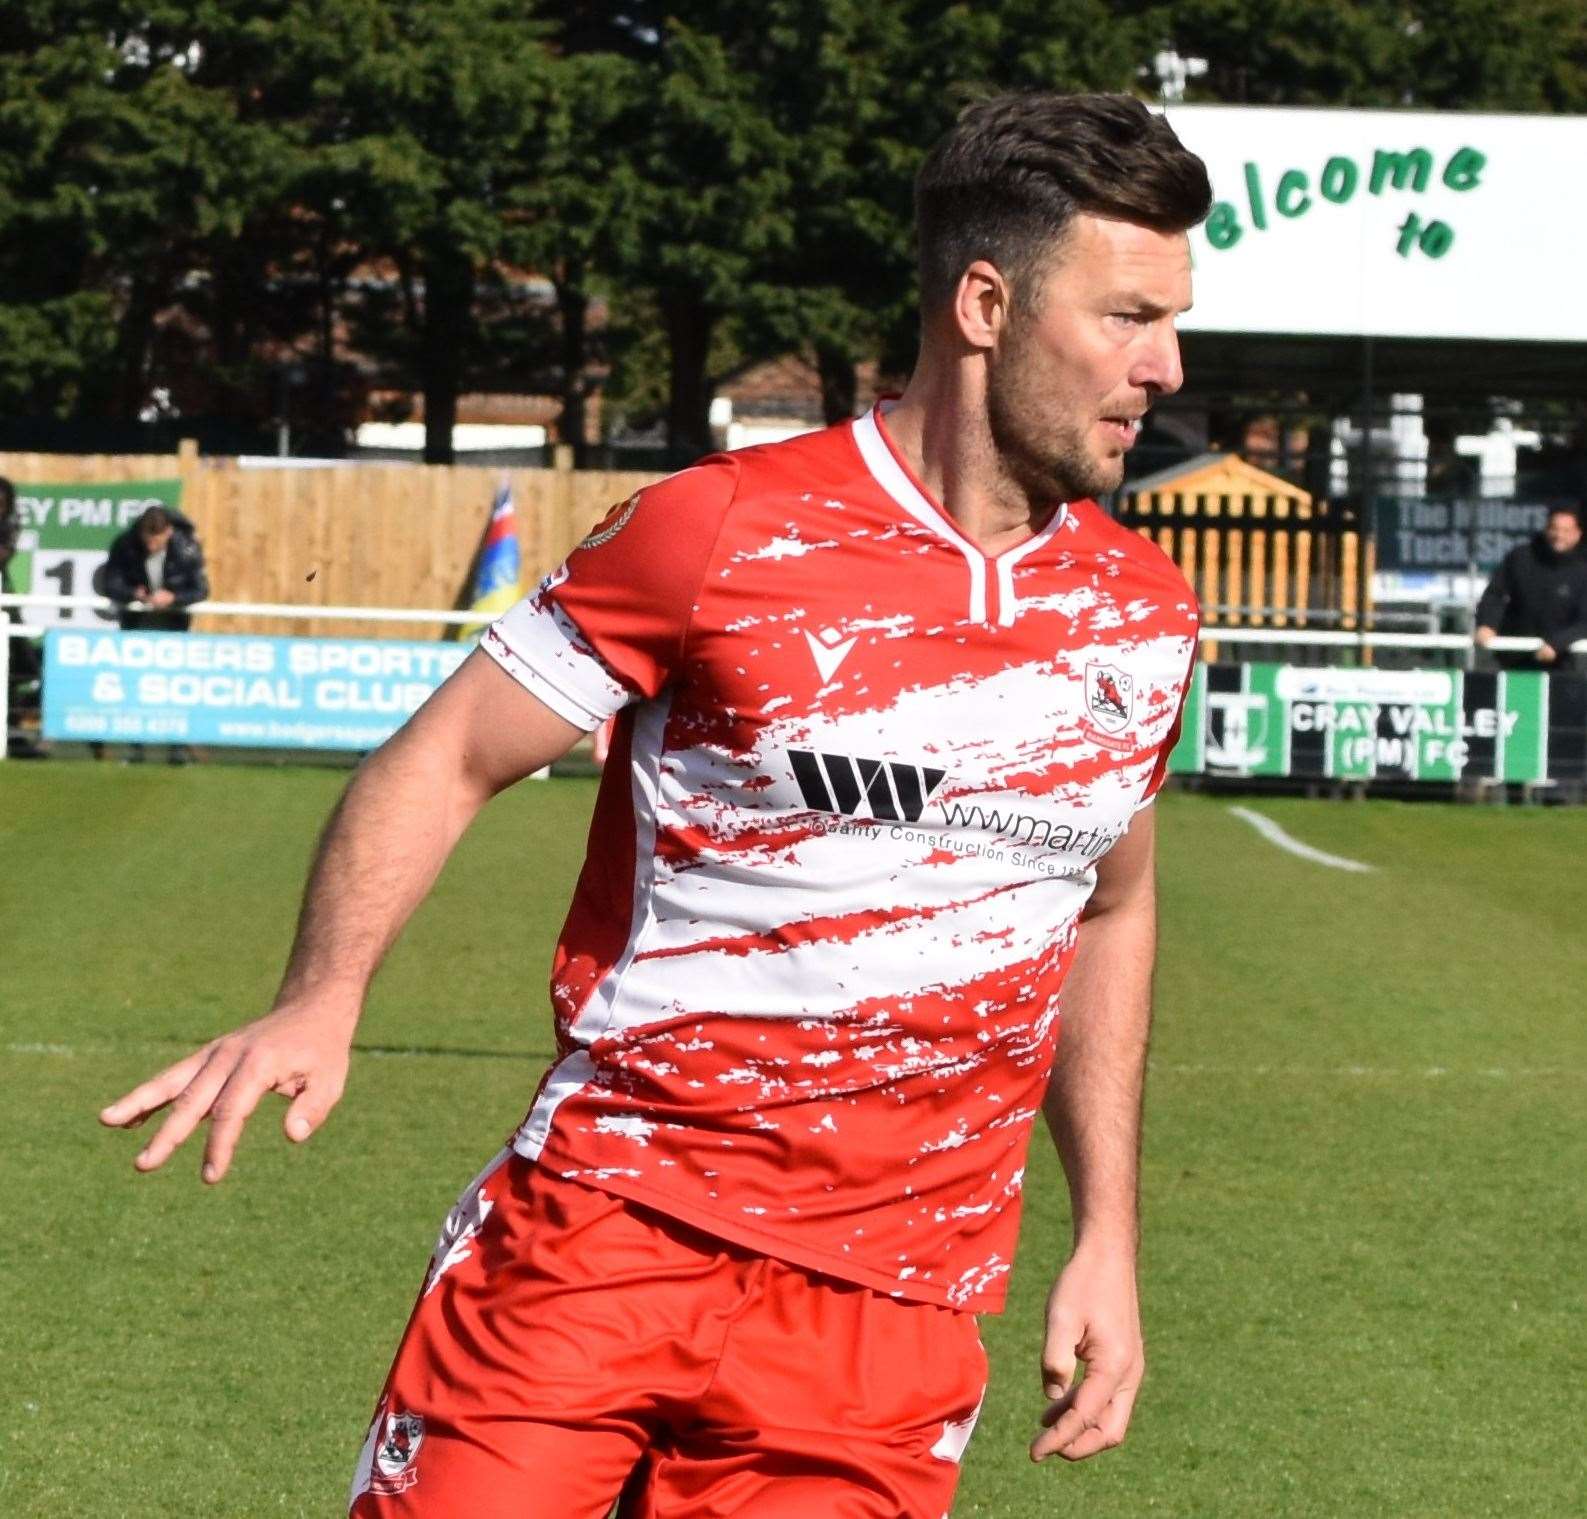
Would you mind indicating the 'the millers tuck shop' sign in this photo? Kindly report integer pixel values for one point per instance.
(1389, 223)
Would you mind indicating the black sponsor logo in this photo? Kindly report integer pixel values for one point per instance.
(888, 790)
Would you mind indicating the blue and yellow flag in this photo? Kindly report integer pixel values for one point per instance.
(498, 576)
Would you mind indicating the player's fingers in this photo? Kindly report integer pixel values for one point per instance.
(152, 1095)
(311, 1107)
(1106, 1434)
(1058, 1358)
(1082, 1425)
(1071, 1416)
(231, 1110)
(188, 1108)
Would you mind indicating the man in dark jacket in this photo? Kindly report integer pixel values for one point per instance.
(10, 524)
(23, 667)
(1539, 591)
(156, 571)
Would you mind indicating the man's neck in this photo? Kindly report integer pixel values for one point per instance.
(942, 432)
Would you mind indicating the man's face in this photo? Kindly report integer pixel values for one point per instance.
(1075, 370)
(1563, 532)
(155, 539)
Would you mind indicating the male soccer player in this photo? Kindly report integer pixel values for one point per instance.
(892, 701)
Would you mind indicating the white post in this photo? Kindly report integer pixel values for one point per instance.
(5, 683)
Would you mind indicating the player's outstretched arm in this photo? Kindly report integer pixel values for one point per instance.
(385, 844)
(1094, 1111)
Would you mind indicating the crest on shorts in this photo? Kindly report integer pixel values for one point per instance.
(612, 523)
(396, 1452)
(1110, 697)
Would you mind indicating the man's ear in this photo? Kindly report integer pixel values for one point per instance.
(981, 304)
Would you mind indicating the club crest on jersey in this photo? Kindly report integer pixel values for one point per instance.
(1110, 700)
(396, 1454)
(612, 523)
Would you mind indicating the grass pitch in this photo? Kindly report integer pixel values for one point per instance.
(1365, 1271)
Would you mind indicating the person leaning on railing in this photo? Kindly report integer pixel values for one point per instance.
(23, 668)
(1539, 591)
(155, 572)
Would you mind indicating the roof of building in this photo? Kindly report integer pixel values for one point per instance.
(1215, 474)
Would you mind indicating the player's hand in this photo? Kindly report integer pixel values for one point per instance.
(1483, 637)
(162, 598)
(1546, 654)
(300, 1050)
(1093, 1319)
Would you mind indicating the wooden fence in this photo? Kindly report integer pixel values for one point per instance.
(402, 535)
(1261, 560)
(373, 535)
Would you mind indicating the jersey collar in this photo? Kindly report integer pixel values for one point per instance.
(891, 471)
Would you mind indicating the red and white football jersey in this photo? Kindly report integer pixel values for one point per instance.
(808, 991)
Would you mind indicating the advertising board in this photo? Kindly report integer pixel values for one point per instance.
(270, 693)
(1272, 720)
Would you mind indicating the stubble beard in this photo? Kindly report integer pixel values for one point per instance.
(1048, 461)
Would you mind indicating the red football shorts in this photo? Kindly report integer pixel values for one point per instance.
(571, 1349)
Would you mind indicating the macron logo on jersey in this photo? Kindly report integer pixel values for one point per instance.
(829, 648)
(843, 783)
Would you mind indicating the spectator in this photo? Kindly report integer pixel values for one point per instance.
(156, 571)
(1539, 591)
(10, 523)
(23, 669)
(10, 533)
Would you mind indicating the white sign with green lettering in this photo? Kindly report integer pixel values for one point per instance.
(1390, 223)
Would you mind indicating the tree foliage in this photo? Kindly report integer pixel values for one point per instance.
(216, 201)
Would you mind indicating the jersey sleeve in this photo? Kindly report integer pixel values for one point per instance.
(608, 626)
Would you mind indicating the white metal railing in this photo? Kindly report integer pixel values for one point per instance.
(1300, 637)
(249, 609)
(1324, 638)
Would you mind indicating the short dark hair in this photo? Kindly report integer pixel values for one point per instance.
(155, 519)
(8, 497)
(1566, 509)
(1006, 181)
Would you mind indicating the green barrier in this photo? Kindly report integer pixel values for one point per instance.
(1270, 720)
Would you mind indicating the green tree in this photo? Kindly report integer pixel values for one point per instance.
(1455, 55)
(423, 117)
(566, 213)
(1525, 55)
(699, 200)
(765, 193)
(861, 91)
(111, 160)
(1286, 52)
(230, 302)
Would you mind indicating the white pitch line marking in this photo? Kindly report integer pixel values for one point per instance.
(378, 1052)
(1375, 1072)
(1276, 835)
